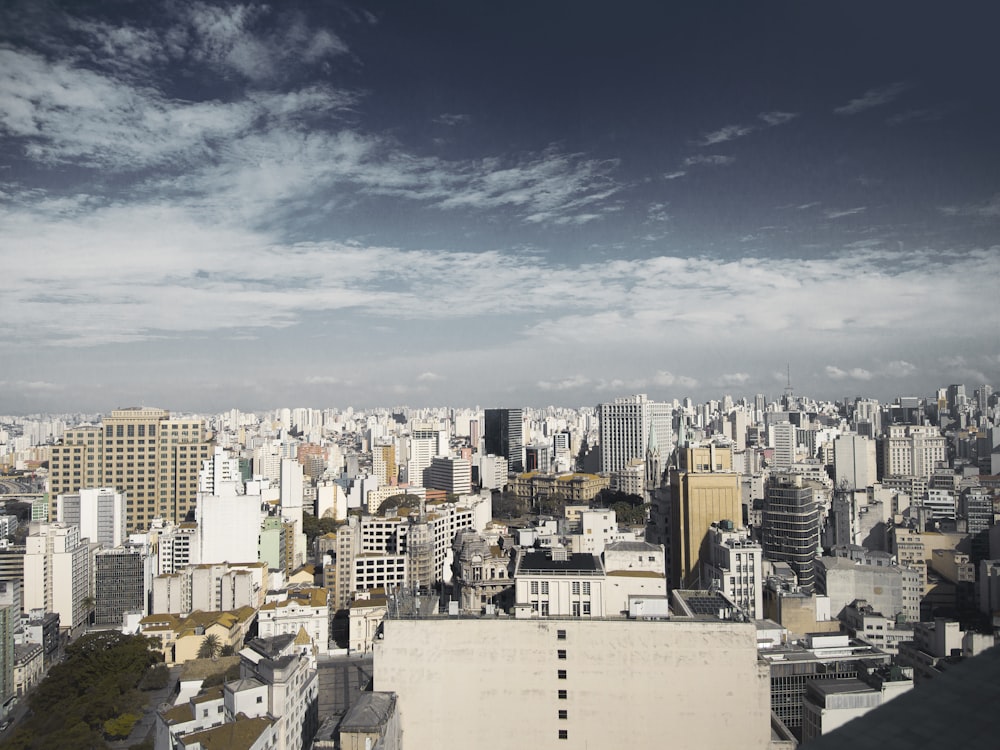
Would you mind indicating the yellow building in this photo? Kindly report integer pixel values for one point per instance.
(703, 491)
(141, 452)
(573, 488)
(180, 638)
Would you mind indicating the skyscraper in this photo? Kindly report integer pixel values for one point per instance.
(623, 431)
(703, 490)
(504, 436)
(153, 459)
(791, 524)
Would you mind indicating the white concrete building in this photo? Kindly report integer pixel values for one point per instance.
(99, 512)
(854, 463)
(229, 525)
(735, 565)
(575, 683)
(297, 609)
(555, 583)
(632, 569)
(913, 450)
(57, 568)
(624, 429)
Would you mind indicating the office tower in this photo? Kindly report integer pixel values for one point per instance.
(143, 453)
(623, 431)
(854, 465)
(791, 524)
(120, 578)
(913, 450)
(420, 453)
(99, 512)
(57, 572)
(504, 436)
(384, 464)
(783, 443)
(703, 489)
(453, 475)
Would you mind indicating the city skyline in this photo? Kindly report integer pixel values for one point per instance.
(216, 205)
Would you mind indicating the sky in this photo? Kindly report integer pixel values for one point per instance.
(215, 205)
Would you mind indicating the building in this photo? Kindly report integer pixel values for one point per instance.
(295, 610)
(10, 614)
(503, 435)
(828, 656)
(384, 464)
(888, 588)
(830, 704)
(573, 488)
(179, 638)
(575, 682)
(703, 489)
(791, 524)
(734, 566)
(57, 572)
(481, 577)
(556, 583)
(453, 475)
(143, 453)
(783, 440)
(121, 576)
(623, 431)
(99, 512)
(29, 667)
(854, 462)
(229, 525)
(272, 706)
(211, 588)
(913, 450)
(633, 570)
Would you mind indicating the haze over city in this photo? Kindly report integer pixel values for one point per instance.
(214, 205)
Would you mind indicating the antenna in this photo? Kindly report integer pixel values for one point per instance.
(788, 386)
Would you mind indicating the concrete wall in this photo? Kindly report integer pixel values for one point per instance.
(634, 684)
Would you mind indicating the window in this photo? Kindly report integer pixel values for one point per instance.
(563, 713)
(561, 674)
(586, 608)
(586, 588)
(561, 635)
(534, 587)
(561, 653)
(576, 587)
(545, 587)
(260, 699)
(563, 734)
(563, 694)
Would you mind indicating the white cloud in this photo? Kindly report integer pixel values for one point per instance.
(777, 118)
(834, 213)
(429, 377)
(674, 175)
(569, 383)
(715, 160)
(733, 379)
(873, 98)
(724, 134)
(988, 210)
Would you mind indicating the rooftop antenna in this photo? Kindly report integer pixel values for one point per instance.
(788, 386)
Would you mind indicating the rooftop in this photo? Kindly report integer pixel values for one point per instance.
(542, 561)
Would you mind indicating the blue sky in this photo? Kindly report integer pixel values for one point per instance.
(424, 203)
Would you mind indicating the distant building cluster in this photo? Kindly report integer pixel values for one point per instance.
(751, 568)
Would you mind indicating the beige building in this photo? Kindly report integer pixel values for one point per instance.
(575, 683)
(573, 488)
(297, 609)
(704, 490)
(153, 459)
(179, 638)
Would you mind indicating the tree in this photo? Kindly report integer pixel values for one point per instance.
(210, 647)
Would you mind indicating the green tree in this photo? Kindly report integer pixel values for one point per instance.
(210, 647)
(121, 726)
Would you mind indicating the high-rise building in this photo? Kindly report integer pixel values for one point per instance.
(153, 459)
(791, 524)
(10, 614)
(782, 439)
(57, 572)
(99, 512)
(623, 431)
(854, 464)
(384, 463)
(703, 490)
(453, 475)
(504, 436)
(120, 577)
(913, 450)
